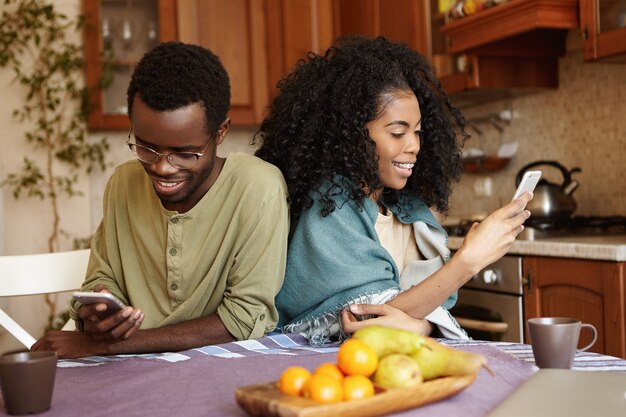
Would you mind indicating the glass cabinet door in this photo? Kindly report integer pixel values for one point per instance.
(127, 31)
(117, 34)
(611, 14)
(603, 25)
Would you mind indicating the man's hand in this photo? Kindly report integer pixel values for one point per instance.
(70, 344)
(101, 324)
(387, 316)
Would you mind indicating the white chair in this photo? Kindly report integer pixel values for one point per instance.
(39, 274)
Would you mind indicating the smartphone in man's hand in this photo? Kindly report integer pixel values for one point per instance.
(112, 302)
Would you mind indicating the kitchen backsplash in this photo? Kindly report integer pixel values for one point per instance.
(581, 124)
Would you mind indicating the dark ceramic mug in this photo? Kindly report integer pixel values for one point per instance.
(27, 381)
(555, 340)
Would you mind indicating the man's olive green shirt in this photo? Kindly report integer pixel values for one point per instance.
(225, 255)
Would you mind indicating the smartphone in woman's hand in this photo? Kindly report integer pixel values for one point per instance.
(528, 183)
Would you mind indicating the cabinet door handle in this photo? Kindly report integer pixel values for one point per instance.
(485, 326)
(527, 281)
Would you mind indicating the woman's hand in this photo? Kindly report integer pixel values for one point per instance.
(387, 316)
(489, 240)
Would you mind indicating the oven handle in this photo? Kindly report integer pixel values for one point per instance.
(485, 326)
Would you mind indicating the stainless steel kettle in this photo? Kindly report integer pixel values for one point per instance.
(553, 201)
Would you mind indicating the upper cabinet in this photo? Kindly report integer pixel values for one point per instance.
(235, 31)
(258, 41)
(518, 27)
(509, 50)
(117, 34)
(295, 27)
(398, 20)
(603, 25)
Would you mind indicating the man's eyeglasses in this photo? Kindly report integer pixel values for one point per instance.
(180, 160)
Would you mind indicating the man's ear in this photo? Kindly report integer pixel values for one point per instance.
(221, 131)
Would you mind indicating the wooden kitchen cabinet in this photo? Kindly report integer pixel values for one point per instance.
(295, 27)
(592, 291)
(603, 26)
(397, 20)
(509, 50)
(497, 30)
(258, 41)
(117, 33)
(235, 31)
(492, 78)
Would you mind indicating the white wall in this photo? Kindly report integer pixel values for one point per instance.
(26, 223)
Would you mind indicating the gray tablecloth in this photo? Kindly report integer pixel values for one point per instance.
(202, 382)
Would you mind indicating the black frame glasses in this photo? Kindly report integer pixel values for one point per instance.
(179, 160)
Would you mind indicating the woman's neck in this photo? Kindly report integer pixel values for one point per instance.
(376, 196)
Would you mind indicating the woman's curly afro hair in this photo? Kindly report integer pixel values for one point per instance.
(174, 75)
(316, 127)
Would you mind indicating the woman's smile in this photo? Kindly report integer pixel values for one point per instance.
(396, 133)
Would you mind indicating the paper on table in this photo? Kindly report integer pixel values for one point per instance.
(16, 330)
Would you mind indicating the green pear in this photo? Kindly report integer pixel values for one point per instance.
(387, 340)
(397, 371)
(436, 360)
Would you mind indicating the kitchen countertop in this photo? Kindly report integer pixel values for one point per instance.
(606, 248)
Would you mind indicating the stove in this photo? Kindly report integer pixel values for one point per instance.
(545, 228)
(490, 305)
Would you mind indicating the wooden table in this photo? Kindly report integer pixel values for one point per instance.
(202, 382)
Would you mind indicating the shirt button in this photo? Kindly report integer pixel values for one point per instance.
(173, 287)
(174, 220)
(262, 317)
(173, 252)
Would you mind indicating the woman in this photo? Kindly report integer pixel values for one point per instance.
(367, 142)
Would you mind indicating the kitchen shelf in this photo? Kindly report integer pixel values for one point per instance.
(492, 78)
(509, 20)
(485, 165)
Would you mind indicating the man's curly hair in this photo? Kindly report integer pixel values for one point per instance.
(316, 127)
(175, 75)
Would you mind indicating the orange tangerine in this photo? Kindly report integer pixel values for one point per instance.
(293, 379)
(356, 387)
(357, 358)
(324, 389)
(329, 369)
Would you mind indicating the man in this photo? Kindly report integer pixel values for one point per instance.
(193, 244)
